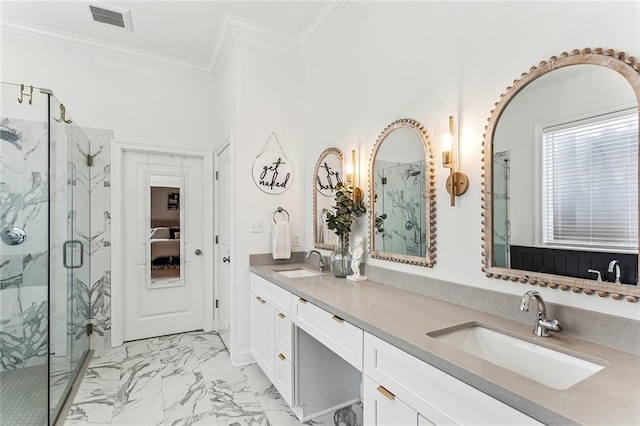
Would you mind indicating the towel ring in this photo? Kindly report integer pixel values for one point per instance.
(280, 210)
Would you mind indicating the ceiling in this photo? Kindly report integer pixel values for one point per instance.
(181, 31)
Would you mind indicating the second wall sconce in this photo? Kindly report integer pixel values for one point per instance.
(457, 182)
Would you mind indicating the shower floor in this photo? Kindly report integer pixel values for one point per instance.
(23, 396)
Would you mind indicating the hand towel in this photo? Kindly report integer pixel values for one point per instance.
(281, 241)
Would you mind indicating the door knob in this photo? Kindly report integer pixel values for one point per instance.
(198, 252)
(226, 259)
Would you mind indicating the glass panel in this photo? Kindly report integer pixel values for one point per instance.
(24, 306)
(164, 236)
(69, 270)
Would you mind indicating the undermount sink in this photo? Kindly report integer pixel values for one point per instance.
(544, 365)
(299, 273)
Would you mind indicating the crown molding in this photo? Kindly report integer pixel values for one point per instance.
(232, 29)
(320, 23)
(100, 50)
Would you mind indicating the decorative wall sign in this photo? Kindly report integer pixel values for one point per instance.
(272, 171)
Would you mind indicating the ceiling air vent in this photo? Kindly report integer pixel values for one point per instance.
(112, 16)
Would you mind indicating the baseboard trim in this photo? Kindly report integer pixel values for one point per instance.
(240, 358)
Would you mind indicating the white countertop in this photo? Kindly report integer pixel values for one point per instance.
(610, 396)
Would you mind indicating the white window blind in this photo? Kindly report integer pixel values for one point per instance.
(590, 183)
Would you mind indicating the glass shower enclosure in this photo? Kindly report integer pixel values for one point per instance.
(44, 254)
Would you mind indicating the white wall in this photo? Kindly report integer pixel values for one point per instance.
(427, 60)
(140, 105)
(267, 97)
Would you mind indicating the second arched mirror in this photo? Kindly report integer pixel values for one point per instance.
(402, 195)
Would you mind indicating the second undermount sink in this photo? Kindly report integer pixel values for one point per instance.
(544, 365)
(299, 273)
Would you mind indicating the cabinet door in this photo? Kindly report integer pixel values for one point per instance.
(382, 408)
(284, 378)
(262, 337)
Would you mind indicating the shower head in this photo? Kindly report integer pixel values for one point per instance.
(412, 173)
(10, 135)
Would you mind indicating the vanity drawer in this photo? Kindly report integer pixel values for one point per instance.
(439, 397)
(276, 296)
(283, 335)
(341, 337)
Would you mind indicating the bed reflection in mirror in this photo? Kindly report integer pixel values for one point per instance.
(164, 237)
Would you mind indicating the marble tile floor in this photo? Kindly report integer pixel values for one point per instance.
(183, 379)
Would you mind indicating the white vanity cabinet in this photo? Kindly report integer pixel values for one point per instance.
(312, 357)
(272, 334)
(398, 384)
(319, 362)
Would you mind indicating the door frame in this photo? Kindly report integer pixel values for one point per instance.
(228, 143)
(118, 150)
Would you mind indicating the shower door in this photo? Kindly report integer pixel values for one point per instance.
(70, 253)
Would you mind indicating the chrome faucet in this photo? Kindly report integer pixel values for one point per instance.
(614, 264)
(321, 264)
(542, 325)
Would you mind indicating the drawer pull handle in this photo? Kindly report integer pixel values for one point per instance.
(281, 315)
(337, 319)
(259, 299)
(386, 393)
(301, 300)
(282, 357)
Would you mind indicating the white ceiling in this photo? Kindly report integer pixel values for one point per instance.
(177, 30)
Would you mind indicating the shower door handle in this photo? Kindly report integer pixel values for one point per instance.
(65, 247)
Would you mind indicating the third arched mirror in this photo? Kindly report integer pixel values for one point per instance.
(561, 177)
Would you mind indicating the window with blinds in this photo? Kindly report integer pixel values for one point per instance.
(590, 183)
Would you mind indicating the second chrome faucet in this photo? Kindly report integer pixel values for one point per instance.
(321, 263)
(543, 325)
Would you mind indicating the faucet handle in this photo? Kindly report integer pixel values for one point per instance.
(548, 324)
(595, 271)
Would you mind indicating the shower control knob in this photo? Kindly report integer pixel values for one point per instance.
(13, 236)
(198, 252)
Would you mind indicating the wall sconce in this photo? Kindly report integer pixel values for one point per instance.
(457, 182)
(351, 173)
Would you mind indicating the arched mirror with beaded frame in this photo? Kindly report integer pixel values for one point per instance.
(549, 263)
(327, 173)
(402, 204)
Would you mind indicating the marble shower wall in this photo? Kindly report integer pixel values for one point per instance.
(24, 267)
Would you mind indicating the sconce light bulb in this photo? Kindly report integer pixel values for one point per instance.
(447, 147)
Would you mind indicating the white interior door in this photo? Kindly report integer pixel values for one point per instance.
(223, 232)
(163, 235)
